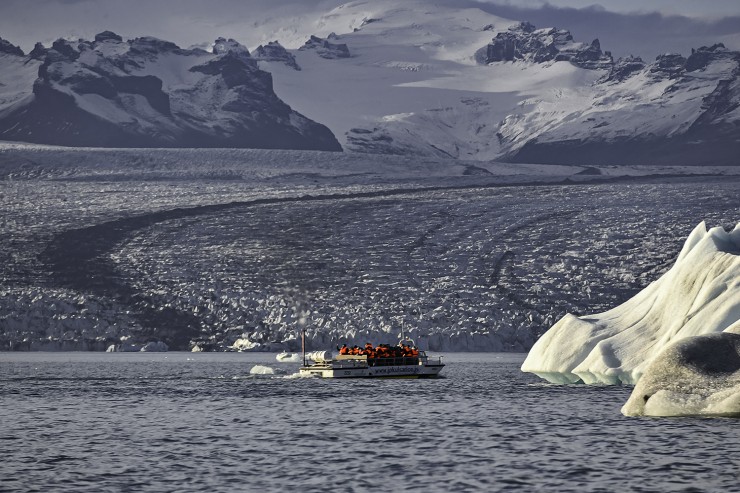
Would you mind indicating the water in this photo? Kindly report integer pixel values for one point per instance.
(201, 422)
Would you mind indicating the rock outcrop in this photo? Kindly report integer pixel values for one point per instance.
(10, 48)
(624, 68)
(526, 42)
(326, 49)
(275, 52)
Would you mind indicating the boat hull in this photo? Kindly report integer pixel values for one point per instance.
(405, 371)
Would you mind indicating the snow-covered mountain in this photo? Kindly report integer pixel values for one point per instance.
(147, 93)
(429, 80)
(416, 78)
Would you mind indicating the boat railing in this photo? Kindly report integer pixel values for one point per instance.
(422, 359)
(432, 361)
(397, 361)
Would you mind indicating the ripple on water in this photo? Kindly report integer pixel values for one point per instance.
(209, 426)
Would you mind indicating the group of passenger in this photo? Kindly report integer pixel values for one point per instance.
(381, 351)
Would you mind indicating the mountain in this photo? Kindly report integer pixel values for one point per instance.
(417, 79)
(675, 110)
(429, 80)
(147, 92)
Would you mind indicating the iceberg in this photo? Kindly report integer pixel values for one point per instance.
(696, 376)
(286, 357)
(155, 347)
(261, 370)
(699, 295)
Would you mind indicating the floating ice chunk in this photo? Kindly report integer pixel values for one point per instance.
(155, 347)
(261, 370)
(244, 345)
(694, 376)
(699, 295)
(286, 357)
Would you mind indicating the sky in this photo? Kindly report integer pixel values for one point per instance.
(639, 27)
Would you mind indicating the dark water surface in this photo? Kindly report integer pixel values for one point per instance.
(201, 422)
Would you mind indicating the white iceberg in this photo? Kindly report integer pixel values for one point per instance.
(696, 376)
(261, 370)
(286, 357)
(155, 347)
(699, 295)
(244, 344)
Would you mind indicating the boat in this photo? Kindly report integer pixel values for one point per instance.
(362, 366)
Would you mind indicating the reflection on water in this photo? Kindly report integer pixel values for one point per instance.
(201, 422)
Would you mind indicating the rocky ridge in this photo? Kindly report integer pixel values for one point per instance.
(676, 109)
(326, 49)
(527, 43)
(275, 52)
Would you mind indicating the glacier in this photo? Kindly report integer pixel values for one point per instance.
(699, 295)
(696, 376)
(469, 256)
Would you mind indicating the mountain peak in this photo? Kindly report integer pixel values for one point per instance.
(527, 43)
(275, 52)
(325, 49)
(107, 36)
(8, 47)
(222, 46)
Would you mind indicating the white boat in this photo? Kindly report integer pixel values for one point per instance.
(360, 366)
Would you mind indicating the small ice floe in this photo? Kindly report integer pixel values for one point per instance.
(155, 347)
(696, 376)
(286, 357)
(244, 345)
(265, 370)
(150, 347)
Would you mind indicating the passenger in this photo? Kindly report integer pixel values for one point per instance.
(344, 349)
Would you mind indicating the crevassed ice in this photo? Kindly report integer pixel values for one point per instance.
(699, 295)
